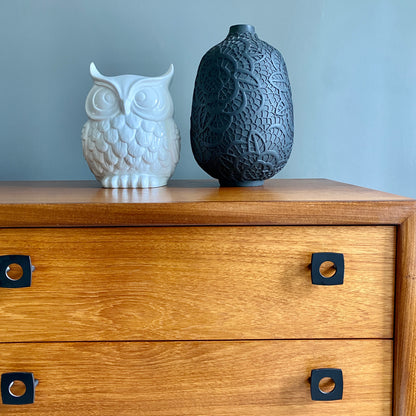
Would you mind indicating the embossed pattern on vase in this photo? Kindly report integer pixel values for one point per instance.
(242, 113)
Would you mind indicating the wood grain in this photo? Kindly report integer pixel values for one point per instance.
(83, 192)
(263, 378)
(84, 203)
(405, 338)
(185, 283)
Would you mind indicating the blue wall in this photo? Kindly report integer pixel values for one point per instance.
(351, 63)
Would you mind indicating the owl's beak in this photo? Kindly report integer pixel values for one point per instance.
(125, 107)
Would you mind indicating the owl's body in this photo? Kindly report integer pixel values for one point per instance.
(130, 139)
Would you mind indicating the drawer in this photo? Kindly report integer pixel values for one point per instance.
(160, 283)
(200, 378)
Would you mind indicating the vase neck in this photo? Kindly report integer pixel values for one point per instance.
(239, 29)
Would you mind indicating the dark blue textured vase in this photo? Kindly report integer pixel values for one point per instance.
(242, 112)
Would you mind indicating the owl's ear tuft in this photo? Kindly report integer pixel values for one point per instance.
(168, 75)
(94, 71)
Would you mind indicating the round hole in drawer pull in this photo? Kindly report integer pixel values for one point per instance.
(327, 269)
(326, 384)
(15, 271)
(18, 388)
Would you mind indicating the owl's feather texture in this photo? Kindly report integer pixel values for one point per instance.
(127, 144)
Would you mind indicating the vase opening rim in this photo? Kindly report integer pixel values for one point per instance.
(235, 29)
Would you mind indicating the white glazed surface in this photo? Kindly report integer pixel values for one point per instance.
(130, 139)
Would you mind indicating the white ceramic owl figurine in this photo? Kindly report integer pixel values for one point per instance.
(130, 139)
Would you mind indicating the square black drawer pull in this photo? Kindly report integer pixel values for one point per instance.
(24, 394)
(319, 378)
(337, 261)
(15, 271)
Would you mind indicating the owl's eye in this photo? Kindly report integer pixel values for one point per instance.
(146, 97)
(104, 99)
(101, 102)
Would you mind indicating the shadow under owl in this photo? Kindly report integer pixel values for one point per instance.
(130, 139)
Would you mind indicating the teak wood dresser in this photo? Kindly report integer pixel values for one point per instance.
(294, 298)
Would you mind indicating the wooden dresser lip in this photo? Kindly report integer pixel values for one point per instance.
(206, 213)
(198, 202)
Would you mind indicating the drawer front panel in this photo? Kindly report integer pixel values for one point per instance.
(197, 283)
(200, 378)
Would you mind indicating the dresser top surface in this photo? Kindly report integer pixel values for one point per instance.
(84, 192)
(198, 202)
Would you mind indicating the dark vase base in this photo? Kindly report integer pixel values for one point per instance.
(225, 183)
